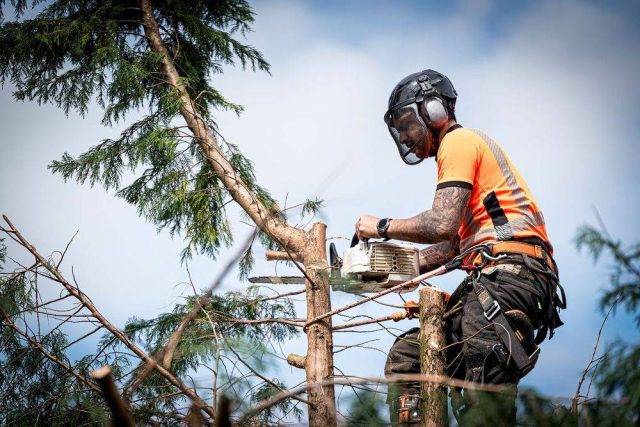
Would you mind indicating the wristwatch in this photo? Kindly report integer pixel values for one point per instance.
(383, 226)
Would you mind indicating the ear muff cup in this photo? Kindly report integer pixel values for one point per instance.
(434, 112)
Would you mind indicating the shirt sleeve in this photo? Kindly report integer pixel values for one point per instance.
(457, 161)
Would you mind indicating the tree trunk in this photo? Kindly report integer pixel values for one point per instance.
(310, 246)
(432, 359)
(319, 360)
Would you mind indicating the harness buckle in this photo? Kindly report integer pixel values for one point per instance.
(493, 310)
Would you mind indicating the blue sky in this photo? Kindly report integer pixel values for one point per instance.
(555, 82)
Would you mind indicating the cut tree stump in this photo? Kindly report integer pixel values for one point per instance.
(432, 359)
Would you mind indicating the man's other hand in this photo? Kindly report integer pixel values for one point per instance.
(367, 227)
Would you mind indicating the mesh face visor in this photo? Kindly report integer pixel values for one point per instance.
(408, 131)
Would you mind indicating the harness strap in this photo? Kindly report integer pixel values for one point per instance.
(521, 248)
(493, 312)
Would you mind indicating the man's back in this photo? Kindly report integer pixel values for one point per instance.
(501, 206)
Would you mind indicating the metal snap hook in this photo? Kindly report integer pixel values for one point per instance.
(489, 257)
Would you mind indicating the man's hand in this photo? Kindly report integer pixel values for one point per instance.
(367, 227)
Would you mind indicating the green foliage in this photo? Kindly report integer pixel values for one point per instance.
(365, 409)
(617, 376)
(201, 345)
(624, 274)
(312, 207)
(231, 305)
(33, 386)
(280, 410)
(74, 53)
(3, 252)
(33, 389)
(533, 409)
(618, 382)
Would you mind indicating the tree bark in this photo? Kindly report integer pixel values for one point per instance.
(310, 246)
(432, 358)
(319, 360)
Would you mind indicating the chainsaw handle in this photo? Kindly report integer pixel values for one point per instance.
(355, 240)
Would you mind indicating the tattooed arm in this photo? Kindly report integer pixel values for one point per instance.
(438, 254)
(438, 224)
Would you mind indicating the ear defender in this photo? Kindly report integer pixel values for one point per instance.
(434, 112)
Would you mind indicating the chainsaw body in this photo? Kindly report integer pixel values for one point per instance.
(369, 266)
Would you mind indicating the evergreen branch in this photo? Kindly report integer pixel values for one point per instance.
(209, 146)
(165, 355)
(35, 344)
(86, 302)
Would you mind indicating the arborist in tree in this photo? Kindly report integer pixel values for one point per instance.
(484, 220)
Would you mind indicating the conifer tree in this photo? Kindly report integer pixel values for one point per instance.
(161, 57)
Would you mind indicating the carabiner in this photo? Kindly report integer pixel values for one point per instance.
(486, 255)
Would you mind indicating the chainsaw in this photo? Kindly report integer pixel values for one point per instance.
(372, 266)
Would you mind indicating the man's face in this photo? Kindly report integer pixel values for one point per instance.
(413, 135)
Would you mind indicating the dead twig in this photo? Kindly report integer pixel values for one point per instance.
(575, 401)
(348, 380)
(121, 336)
(165, 355)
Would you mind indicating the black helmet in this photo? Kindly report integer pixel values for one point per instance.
(408, 100)
(410, 89)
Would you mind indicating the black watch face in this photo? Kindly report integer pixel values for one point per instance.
(382, 227)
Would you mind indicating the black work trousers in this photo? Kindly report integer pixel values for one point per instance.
(474, 351)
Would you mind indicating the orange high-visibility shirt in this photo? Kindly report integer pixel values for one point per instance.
(501, 206)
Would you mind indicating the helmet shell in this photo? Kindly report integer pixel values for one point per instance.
(409, 90)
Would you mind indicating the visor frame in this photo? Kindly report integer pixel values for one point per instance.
(407, 155)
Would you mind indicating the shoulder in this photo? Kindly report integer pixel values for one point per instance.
(461, 139)
(462, 136)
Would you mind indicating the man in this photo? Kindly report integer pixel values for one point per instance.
(484, 210)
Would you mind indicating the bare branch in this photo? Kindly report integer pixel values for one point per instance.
(433, 379)
(413, 282)
(575, 401)
(35, 344)
(121, 336)
(165, 355)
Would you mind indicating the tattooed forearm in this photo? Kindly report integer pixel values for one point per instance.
(438, 224)
(439, 254)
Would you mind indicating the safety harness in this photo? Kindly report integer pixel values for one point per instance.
(473, 260)
(494, 313)
(544, 271)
